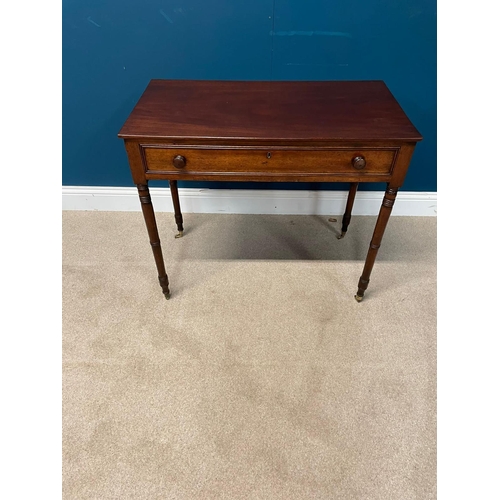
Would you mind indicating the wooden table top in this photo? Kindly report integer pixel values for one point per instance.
(319, 110)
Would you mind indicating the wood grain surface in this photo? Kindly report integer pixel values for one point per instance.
(324, 110)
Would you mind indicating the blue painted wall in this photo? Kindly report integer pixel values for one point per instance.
(112, 49)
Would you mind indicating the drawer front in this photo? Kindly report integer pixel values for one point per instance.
(272, 162)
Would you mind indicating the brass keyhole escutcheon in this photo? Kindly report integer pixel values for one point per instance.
(268, 155)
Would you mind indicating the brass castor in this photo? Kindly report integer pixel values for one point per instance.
(179, 235)
(359, 298)
(341, 235)
(167, 295)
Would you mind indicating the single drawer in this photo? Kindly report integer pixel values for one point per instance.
(267, 161)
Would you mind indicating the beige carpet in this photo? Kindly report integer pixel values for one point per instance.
(262, 377)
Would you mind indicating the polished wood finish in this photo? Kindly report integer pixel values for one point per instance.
(179, 161)
(383, 218)
(269, 131)
(258, 162)
(297, 111)
(348, 210)
(359, 162)
(177, 206)
(154, 238)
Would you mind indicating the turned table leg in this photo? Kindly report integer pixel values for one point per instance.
(154, 239)
(383, 217)
(177, 208)
(348, 209)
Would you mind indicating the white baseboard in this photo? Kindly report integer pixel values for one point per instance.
(245, 201)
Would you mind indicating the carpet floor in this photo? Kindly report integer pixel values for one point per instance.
(261, 377)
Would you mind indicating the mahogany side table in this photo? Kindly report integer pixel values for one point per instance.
(327, 131)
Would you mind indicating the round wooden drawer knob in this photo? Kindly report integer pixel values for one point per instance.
(179, 161)
(358, 162)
